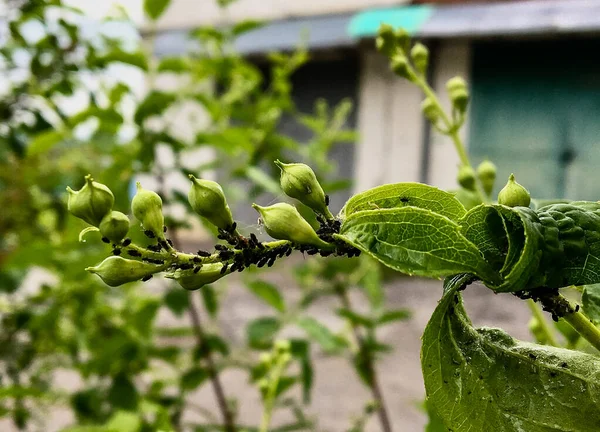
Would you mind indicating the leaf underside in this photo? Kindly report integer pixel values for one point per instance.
(484, 380)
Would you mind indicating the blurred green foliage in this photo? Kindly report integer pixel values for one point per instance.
(131, 373)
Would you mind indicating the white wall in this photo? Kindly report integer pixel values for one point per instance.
(390, 126)
(190, 13)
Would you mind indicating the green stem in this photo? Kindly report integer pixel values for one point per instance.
(537, 313)
(270, 396)
(584, 326)
(452, 129)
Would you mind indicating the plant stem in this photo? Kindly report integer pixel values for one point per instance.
(270, 396)
(537, 313)
(226, 414)
(585, 327)
(384, 419)
(451, 129)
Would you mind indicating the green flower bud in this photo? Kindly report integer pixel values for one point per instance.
(466, 177)
(458, 93)
(420, 57)
(191, 281)
(283, 222)
(115, 271)
(486, 171)
(265, 359)
(400, 66)
(402, 39)
(513, 194)
(146, 206)
(467, 198)
(300, 182)
(114, 226)
(430, 110)
(386, 40)
(282, 346)
(92, 202)
(456, 83)
(208, 200)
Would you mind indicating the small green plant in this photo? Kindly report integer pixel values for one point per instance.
(476, 378)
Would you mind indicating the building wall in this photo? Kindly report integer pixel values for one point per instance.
(191, 13)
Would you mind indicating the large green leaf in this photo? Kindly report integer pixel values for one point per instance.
(403, 195)
(415, 241)
(484, 380)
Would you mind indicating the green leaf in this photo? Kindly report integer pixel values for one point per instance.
(193, 378)
(590, 300)
(245, 26)
(268, 293)
(329, 342)
(435, 423)
(260, 178)
(402, 195)
(123, 421)
(155, 103)
(300, 349)
(355, 317)
(44, 142)
(136, 58)
(262, 331)
(209, 297)
(391, 316)
(155, 8)
(123, 394)
(484, 380)
(415, 241)
(174, 65)
(177, 300)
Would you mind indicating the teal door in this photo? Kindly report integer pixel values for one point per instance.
(536, 112)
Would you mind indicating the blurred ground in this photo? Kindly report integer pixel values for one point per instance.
(337, 395)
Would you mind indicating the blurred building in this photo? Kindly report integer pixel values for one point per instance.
(533, 67)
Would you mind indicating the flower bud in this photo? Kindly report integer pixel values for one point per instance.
(283, 222)
(92, 202)
(402, 39)
(400, 66)
(191, 281)
(513, 194)
(115, 270)
(458, 93)
(430, 110)
(386, 40)
(486, 171)
(114, 226)
(208, 200)
(146, 206)
(420, 57)
(299, 181)
(282, 346)
(466, 177)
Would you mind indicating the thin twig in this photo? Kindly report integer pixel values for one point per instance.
(384, 419)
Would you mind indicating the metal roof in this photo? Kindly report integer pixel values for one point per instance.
(321, 31)
(491, 19)
(513, 18)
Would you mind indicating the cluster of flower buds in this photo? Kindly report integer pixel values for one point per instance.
(271, 366)
(396, 44)
(93, 203)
